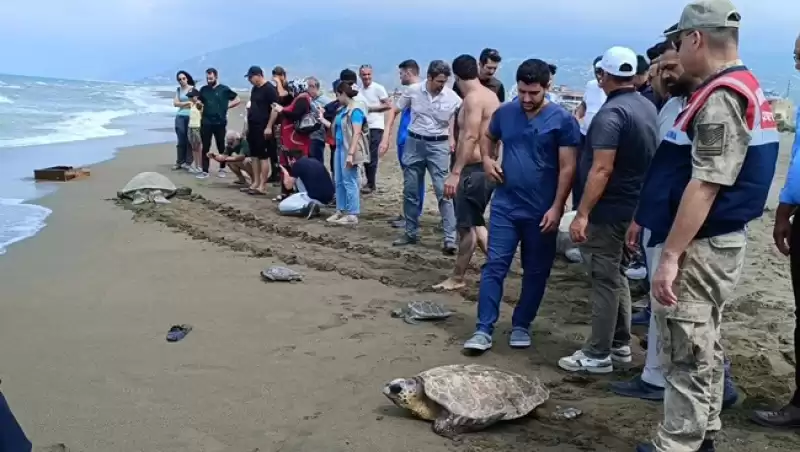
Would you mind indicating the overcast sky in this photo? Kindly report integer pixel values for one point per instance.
(95, 38)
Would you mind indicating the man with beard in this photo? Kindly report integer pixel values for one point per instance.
(489, 63)
(467, 182)
(670, 82)
(787, 238)
(257, 131)
(216, 100)
(534, 179)
(710, 177)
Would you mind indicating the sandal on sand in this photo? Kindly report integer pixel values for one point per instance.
(252, 192)
(239, 182)
(178, 332)
(245, 189)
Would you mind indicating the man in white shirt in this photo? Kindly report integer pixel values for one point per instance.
(428, 146)
(377, 100)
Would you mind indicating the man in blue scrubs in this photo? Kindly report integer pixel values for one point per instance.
(409, 74)
(533, 182)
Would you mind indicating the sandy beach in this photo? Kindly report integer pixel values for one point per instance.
(299, 367)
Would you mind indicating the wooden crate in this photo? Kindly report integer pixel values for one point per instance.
(59, 173)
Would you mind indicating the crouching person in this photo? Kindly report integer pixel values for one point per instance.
(237, 157)
(309, 183)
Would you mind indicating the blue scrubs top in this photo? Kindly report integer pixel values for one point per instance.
(791, 189)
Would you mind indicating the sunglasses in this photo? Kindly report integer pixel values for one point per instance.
(796, 57)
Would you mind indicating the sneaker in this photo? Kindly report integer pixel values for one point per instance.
(621, 354)
(641, 318)
(347, 220)
(579, 362)
(185, 166)
(221, 173)
(729, 395)
(642, 303)
(786, 417)
(193, 169)
(636, 272)
(202, 175)
(176, 167)
(574, 255)
(313, 211)
(404, 240)
(335, 217)
(638, 389)
(479, 342)
(519, 338)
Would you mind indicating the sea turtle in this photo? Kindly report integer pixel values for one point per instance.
(151, 187)
(461, 398)
(273, 274)
(421, 310)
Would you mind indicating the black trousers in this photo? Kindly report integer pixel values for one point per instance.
(794, 256)
(371, 168)
(217, 132)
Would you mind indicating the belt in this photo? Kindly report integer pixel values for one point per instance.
(417, 136)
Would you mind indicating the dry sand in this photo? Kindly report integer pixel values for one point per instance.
(299, 367)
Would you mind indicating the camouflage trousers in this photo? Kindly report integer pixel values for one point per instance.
(689, 341)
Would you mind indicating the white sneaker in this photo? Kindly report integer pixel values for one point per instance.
(578, 362)
(574, 255)
(202, 175)
(636, 273)
(185, 166)
(335, 217)
(347, 220)
(193, 169)
(221, 173)
(621, 355)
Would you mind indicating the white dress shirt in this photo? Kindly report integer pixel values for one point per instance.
(430, 114)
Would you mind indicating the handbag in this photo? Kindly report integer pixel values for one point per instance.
(309, 122)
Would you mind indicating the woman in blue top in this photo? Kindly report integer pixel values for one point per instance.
(352, 144)
(181, 101)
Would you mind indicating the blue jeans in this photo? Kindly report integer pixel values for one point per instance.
(184, 150)
(12, 438)
(400, 147)
(347, 186)
(317, 150)
(433, 156)
(537, 254)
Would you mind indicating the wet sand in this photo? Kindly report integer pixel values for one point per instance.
(299, 367)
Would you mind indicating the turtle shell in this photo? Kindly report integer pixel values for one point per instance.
(482, 392)
(427, 310)
(281, 274)
(149, 181)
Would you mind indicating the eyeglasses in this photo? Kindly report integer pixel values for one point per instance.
(796, 57)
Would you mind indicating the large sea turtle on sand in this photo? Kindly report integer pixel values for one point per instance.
(463, 398)
(151, 187)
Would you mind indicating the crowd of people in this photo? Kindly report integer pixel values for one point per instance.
(669, 156)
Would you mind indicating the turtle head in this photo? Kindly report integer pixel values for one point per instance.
(404, 392)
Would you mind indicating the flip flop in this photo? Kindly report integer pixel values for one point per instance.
(239, 182)
(255, 192)
(178, 332)
(245, 189)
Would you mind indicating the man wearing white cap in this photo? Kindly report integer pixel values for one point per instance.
(620, 142)
(710, 176)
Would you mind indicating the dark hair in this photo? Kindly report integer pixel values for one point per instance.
(534, 71)
(437, 68)
(642, 65)
(189, 79)
(294, 154)
(658, 50)
(347, 88)
(465, 67)
(211, 70)
(409, 65)
(489, 54)
(193, 93)
(553, 68)
(594, 64)
(348, 75)
(279, 71)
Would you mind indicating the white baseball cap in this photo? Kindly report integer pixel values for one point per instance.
(619, 61)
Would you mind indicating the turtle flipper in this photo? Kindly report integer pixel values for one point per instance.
(450, 425)
(410, 320)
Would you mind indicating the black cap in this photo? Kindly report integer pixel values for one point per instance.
(642, 65)
(254, 70)
(193, 93)
(348, 75)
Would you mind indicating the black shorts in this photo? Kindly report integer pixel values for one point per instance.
(256, 141)
(473, 195)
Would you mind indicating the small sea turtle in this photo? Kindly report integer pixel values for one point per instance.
(421, 310)
(151, 187)
(273, 274)
(463, 398)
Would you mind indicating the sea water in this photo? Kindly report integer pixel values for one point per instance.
(46, 122)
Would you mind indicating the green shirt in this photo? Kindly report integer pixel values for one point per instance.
(215, 103)
(242, 148)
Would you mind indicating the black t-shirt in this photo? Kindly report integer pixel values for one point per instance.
(261, 100)
(315, 178)
(628, 124)
(493, 84)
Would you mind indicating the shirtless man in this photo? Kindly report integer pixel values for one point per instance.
(467, 181)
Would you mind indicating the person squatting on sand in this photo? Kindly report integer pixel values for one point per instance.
(467, 182)
(352, 149)
(533, 182)
(184, 159)
(428, 147)
(787, 238)
(216, 100)
(238, 156)
(617, 151)
(310, 186)
(710, 176)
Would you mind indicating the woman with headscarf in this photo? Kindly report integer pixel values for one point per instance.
(290, 138)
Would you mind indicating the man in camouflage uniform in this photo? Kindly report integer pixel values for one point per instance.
(710, 176)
